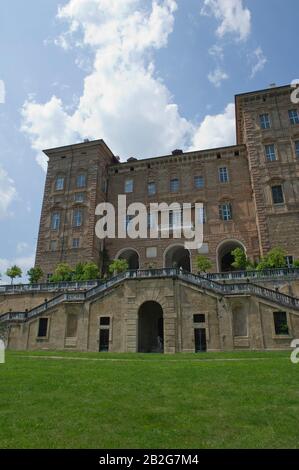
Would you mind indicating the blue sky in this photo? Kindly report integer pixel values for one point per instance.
(146, 76)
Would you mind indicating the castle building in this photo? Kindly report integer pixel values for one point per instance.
(250, 193)
(250, 197)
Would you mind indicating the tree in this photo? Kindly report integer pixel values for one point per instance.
(63, 272)
(118, 266)
(14, 272)
(35, 274)
(240, 258)
(202, 263)
(296, 263)
(90, 272)
(276, 258)
(78, 272)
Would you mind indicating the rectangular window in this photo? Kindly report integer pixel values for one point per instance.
(289, 261)
(55, 221)
(77, 218)
(104, 340)
(277, 194)
(42, 327)
(53, 245)
(81, 181)
(49, 275)
(270, 153)
(59, 184)
(293, 116)
(297, 149)
(175, 219)
(79, 197)
(198, 182)
(174, 185)
(223, 175)
(151, 188)
(151, 252)
(281, 323)
(199, 318)
(76, 243)
(265, 121)
(225, 211)
(151, 220)
(128, 186)
(105, 321)
(202, 217)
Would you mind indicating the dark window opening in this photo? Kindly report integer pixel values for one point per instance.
(199, 318)
(281, 323)
(277, 194)
(42, 327)
(200, 340)
(104, 340)
(105, 321)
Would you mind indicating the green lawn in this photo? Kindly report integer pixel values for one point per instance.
(213, 400)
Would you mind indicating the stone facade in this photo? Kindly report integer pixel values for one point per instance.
(257, 222)
(256, 180)
(239, 322)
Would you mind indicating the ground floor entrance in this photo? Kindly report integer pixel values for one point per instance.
(150, 328)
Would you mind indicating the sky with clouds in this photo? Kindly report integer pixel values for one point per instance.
(147, 76)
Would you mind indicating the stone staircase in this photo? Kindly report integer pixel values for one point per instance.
(202, 282)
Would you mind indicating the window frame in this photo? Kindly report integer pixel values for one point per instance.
(46, 335)
(296, 145)
(198, 178)
(57, 180)
(151, 184)
(129, 189)
(80, 185)
(174, 185)
(223, 174)
(293, 116)
(55, 226)
(282, 194)
(225, 211)
(269, 154)
(265, 121)
(75, 213)
(277, 324)
(74, 246)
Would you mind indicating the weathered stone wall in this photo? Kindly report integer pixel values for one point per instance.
(20, 302)
(224, 317)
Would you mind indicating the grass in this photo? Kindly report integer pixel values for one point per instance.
(213, 400)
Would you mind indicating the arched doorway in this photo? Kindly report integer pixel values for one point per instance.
(224, 254)
(177, 256)
(131, 256)
(150, 328)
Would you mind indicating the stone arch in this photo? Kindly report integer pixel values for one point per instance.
(150, 327)
(131, 255)
(224, 256)
(177, 256)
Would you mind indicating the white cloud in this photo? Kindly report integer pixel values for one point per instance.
(216, 51)
(259, 61)
(123, 100)
(234, 18)
(8, 193)
(217, 77)
(2, 92)
(216, 131)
